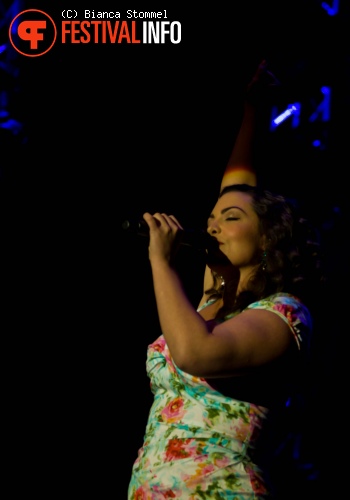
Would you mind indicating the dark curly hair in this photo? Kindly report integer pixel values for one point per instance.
(292, 261)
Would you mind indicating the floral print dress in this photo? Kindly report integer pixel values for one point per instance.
(198, 443)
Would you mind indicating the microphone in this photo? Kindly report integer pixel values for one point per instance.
(194, 238)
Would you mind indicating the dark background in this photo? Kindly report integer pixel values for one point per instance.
(102, 134)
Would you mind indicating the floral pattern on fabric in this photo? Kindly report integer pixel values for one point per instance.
(291, 310)
(198, 443)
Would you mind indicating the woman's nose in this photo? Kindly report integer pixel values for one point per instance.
(212, 229)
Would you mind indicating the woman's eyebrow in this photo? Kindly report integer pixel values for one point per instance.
(224, 210)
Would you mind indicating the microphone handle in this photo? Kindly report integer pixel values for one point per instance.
(198, 239)
(138, 227)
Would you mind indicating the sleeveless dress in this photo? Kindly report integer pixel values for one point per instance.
(199, 443)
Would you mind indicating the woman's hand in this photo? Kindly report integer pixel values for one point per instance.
(165, 233)
(262, 81)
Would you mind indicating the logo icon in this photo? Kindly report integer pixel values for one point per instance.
(32, 33)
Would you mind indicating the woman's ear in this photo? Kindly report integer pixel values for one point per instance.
(263, 242)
